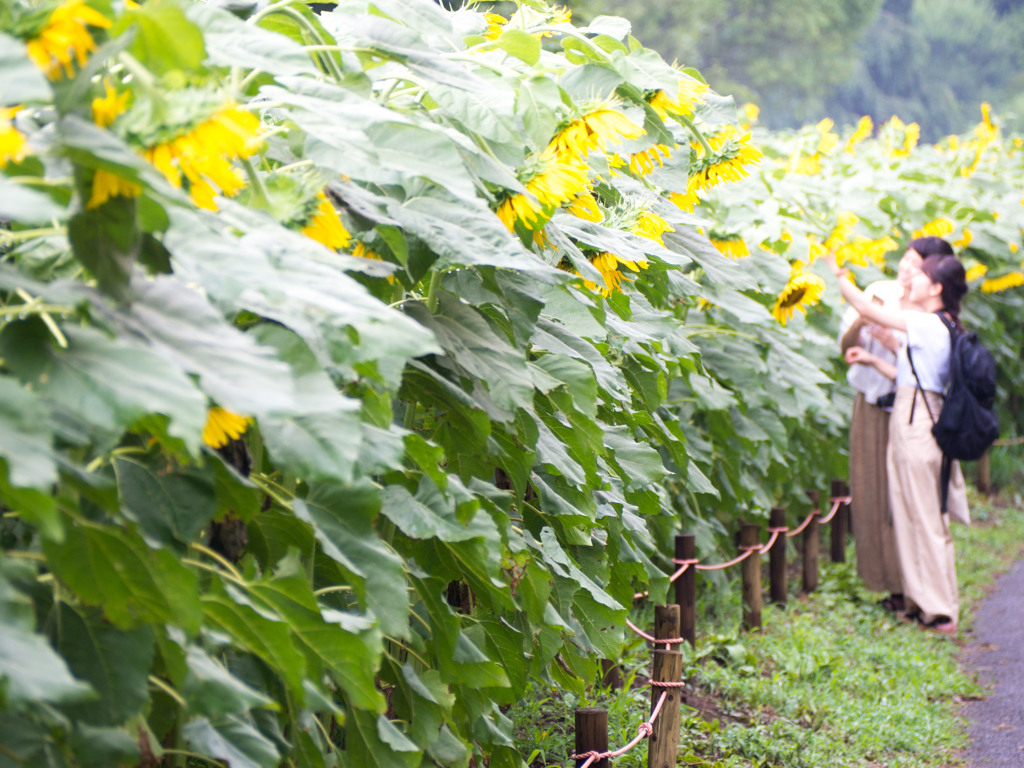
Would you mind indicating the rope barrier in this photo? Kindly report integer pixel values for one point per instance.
(644, 730)
(719, 566)
(800, 528)
(652, 638)
(684, 564)
(837, 501)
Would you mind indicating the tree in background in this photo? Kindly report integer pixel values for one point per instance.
(787, 56)
(933, 62)
(928, 61)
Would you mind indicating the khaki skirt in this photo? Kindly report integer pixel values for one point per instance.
(923, 540)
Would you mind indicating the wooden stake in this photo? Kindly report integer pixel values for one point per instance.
(667, 666)
(686, 588)
(750, 536)
(592, 735)
(777, 559)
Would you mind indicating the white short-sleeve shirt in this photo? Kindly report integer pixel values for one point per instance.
(867, 378)
(929, 342)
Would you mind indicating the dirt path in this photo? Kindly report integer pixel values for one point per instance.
(996, 653)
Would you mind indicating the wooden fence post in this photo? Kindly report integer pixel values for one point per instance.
(811, 544)
(777, 558)
(686, 588)
(838, 528)
(750, 536)
(667, 667)
(592, 735)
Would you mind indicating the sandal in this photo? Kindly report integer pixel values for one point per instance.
(893, 603)
(942, 625)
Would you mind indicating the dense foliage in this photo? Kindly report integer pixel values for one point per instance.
(356, 368)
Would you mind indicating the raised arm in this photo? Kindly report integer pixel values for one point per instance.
(874, 313)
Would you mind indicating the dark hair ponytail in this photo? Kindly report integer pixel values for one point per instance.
(946, 269)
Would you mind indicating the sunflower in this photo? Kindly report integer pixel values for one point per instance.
(976, 272)
(803, 290)
(106, 185)
(731, 246)
(608, 265)
(840, 235)
(965, 239)
(13, 145)
(689, 93)
(732, 156)
(940, 227)
(203, 155)
(325, 227)
(860, 133)
(223, 426)
(750, 113)
(650, 225)
(687, 201)
(495, 25)
(554, 180)
(65, 37)
(106, 108)
(585, 206)
(805, 165)
(1003, 283)
(827, 140)
(647, 160)
(597, 129)
(864, 250)
(900, 138)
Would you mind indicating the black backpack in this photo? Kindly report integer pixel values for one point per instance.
(966, 425)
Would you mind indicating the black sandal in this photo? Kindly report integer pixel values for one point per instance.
(893, 603)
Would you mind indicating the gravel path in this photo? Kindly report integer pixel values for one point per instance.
(996, 653)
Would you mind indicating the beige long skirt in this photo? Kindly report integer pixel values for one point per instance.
(877, 560)
(923, 540)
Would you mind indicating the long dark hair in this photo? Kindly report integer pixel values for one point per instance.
(946, 269)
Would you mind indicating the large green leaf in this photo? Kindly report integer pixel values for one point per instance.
(345, 644)
(258, 631)
(231, 42)
(23, 82)
(25, 438)
(343, 522)
(24, 204)
(170, 507)
(212, 690)
(474, 348)
(105, 383)
(132, 584)
(232, 739)
(30, 670)
(115, 662)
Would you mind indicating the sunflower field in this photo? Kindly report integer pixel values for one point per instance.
(358, 367)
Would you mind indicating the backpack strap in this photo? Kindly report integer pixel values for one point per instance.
(913, 405)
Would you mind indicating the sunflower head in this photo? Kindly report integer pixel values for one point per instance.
(223, 426)
(803, 290)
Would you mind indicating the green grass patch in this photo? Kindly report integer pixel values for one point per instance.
(831, 680)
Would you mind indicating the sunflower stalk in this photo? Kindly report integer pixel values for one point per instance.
(708, 151)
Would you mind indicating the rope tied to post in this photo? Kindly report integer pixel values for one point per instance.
(644, 730)
(684, 564)
(837, 501)
(800, 528)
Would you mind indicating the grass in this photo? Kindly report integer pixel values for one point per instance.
(830, 680)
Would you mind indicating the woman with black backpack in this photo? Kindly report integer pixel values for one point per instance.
(923, 540)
